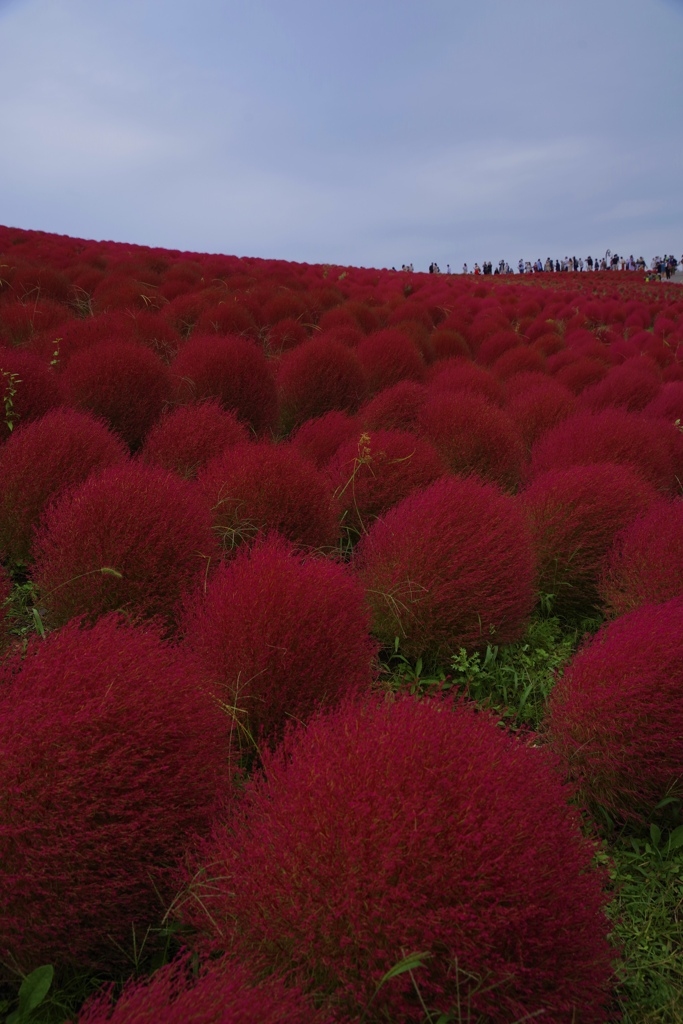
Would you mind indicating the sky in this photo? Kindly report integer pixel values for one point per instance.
(368, 133)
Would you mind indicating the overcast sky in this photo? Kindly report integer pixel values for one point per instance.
(363, 132)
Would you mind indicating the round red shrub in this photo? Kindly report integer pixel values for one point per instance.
(317, 377)
(667, 403)
(186, 438)
(574, 515)
(521, 359)
(447, 344)
(538, 406)
(319, 438)
(631, 385)
(612, 435)
(280, 634)
(123, 382)
(388, 357)
(395, 408)
(224, 993)
(112, 755)
(474, 436)
(451, 566)
(28, 389)
(227, 317)
(143, 522)
(548, 344)
(616, 716)
(285, 334)
(462, 375)
(233, 370)
(42, 459)
(255, 488)
(645, 565)
(494, 345)
(375, 471)
(449, 837)
(580, 372)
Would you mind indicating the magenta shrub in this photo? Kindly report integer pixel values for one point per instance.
(451, 566)
(319, 438)
(667, 403)
(256, 488)
(521, 359)
(580, 372)
(615, 717)
(143, 522)
(395, 408)
(280, 634)
(383, 829)
(317, 377)
(375, 471)
(124, 383)
(631, 385)
(112, 756)
(645, 565)
(36, 387)
(575, 515)
(494, 345)
(187, 437)
(224, 993)
(42, 459)
(474, 436)
(387, 357)
(611, 435)
(232, 370)
(457, 375)
(538, 405)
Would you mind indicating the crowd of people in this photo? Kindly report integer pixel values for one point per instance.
(660, 266)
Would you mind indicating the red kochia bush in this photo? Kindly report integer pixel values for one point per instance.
(111, 755)
(255, 488)
(538, 405)
(40, 460)
(645, 565)
(575, 514)
(631, 385)
(123, 382)
(668, 403)
(611, 435)
(231, 369)
(36, 388)
(145, 523)
(449, 567)
(388, 357)
(616, 715)
(224, 993)
(581, 371)
(377, 470)
(474, 436)
(280, 634)
(317, 377)
(462, 375)
(522, 359)
(187, 437)
(395, 408)
(318, 439)
(382, 829)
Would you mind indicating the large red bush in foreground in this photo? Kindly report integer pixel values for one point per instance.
(280, 634)
(645, 564)
(256, 488)
(319, 438)
(40, 460)
(111, 756)
(395, 408)
(224, 993)
(616, 715)
(449, 567)
(574, 515)
(145, 523)
(388, 829)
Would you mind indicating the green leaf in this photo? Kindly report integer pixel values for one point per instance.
(655, 835)
(107, 570)
(34, 988)
(676, 838)
(38, 623)
(409, 963)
